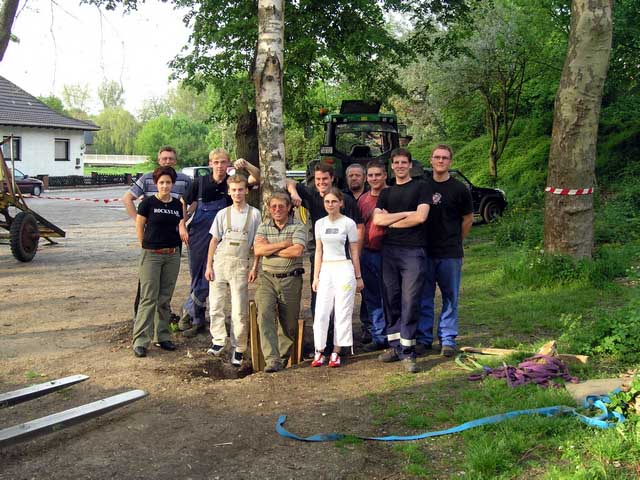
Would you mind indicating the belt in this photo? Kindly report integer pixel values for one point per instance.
(293, 273)
(163, 251)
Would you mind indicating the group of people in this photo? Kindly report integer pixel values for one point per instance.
(394, 243)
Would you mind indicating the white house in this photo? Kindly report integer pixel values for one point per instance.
(45, 142)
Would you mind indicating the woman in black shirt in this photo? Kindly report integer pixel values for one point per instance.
(160, 227)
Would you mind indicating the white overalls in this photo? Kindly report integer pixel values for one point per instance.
(231, 267)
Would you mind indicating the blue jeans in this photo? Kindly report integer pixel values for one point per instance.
(371, 268)
(403, 277)
(446, 273)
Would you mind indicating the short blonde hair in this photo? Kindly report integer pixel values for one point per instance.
(219, 152)
(238, 178)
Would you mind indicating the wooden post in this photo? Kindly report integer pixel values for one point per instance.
(257, 360)
(296, 348)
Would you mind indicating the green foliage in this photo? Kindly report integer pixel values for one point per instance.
(299, 150)
(622, 401)
(536, 269)
(328, 40)
(188, 137)
(117, 135)
(608, 333)
(54, 103)
(111, 94)
(519, 227)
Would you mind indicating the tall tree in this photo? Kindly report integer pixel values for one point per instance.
(111, 94)
(493, 65)
(118, 129)
(568, 219)
(8, 11)
(267, 78)
(76, 100)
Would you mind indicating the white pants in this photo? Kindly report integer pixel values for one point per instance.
(231, 272)
(336, 290)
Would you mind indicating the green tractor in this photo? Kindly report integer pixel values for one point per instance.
(358, 134)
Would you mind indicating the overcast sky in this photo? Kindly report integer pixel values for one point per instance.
(64, 43)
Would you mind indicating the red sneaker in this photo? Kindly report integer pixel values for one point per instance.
(334, 360)
(318, 360)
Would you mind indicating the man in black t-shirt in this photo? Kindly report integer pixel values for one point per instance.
(449, 223)
(402, 208)
(312, 200)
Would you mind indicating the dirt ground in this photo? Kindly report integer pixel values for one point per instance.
(69, 312)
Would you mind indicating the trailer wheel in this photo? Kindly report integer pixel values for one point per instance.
(24, 237)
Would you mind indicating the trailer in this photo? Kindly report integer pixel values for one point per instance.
(24, 228)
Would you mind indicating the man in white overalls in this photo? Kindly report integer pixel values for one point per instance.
(232, 234)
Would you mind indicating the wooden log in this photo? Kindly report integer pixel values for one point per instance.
(257, 360)
(296, 348)
(508, 351)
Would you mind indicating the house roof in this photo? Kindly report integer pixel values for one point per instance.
(18, 107)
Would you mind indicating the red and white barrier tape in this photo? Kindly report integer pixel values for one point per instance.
(569, 191)
(94, 200)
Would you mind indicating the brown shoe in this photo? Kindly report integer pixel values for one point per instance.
(193, 331)
(448, 351)
(389, 356)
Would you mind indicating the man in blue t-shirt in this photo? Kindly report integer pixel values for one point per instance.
(402, 209)
(448, 224)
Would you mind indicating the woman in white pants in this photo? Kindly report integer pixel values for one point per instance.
(336, 278)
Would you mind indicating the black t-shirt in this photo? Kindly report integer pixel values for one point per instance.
(451, 201)
(211, 191)
(313, 202)
(161, 230)
(403, 198)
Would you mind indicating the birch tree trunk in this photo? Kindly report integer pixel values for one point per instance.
(268, 82)
(568, 219)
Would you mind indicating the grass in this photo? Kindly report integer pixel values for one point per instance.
(497, 312)
(147, 167)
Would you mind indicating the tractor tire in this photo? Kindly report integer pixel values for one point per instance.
(491, 211)
(24, 236)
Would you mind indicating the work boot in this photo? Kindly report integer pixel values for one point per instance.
(194, 330)
(185, 322)
(389, 356)
(448, 351)
(410, 365)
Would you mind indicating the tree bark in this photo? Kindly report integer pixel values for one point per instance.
(247, 137)
(269, 96)
(568, 219)
(7, 16)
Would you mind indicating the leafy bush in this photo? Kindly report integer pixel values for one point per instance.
(536, 269)
(519, 227)
(613, 334)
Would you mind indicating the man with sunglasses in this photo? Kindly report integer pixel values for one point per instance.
(280, 241)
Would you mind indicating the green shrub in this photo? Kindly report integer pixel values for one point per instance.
(536, 269)
(613, 334)
(519, 227)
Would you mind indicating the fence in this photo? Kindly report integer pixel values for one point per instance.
(92, 180)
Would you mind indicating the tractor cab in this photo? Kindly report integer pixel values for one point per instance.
(358, 134)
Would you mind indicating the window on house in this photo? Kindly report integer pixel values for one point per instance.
(6, 149)
(62, 150)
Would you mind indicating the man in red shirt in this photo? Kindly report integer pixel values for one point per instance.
(371, 258)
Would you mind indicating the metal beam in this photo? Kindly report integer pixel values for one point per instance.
(35, 391)
(60, 420)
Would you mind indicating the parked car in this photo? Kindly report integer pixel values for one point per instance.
(488, 203)
(26, 184)
(194, 172)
